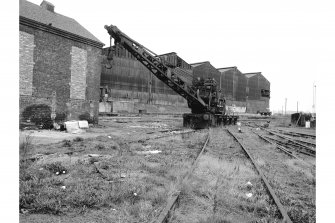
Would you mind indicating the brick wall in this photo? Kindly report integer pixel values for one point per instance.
(59, 66)
(26, 63)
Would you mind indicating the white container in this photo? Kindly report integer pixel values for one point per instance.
(308, 124)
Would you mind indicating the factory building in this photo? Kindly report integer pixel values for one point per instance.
(247, 92)
(258, 92)
(205, 70)
(234, 84)
(60, 64)
(128, 86)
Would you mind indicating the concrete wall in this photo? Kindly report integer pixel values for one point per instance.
(58, 72)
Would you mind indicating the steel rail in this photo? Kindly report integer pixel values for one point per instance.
(290, 146)
(289, 139)
(299, 140)
(163, 136)
(173, 201)
(299, 133)
(277, 146)
(281, 208)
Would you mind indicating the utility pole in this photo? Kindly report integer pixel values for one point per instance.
(297, 106)
(285, 105)
(314, 98)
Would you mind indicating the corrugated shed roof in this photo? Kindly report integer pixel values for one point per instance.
(248, 75)
(165, 54)
(198, 64)
(224, 69)
(37, 13)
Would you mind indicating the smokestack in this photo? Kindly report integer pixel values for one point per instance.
(48, 6)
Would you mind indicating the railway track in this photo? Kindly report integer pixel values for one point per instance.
(284, 148)
(166, 133)
(281, 208)
(174, 201)
(298, 134)
(292, 144)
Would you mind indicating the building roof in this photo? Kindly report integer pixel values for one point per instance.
(248, 75)
(42, 15)
(224, 69)
(198, 64)
(165, 54)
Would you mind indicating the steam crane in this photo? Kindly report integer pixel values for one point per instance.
(207, 104)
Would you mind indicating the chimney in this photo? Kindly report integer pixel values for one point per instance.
(47, 6)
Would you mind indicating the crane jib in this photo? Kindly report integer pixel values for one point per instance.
(150, 61)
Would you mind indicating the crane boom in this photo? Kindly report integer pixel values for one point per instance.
(206, 102)
(159, 69)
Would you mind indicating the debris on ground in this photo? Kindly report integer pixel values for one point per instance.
(248, 195)
(76, 127)
(93, 155)
(148, 152)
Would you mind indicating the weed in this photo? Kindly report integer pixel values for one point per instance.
(40, 114)
(100, 147)
(25, 147)
(115, 146)
(67, 143)
(55, 167)
(214, 219)
(78, 139)
(103, 165)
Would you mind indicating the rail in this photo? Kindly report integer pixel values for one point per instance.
(173, 200)
(281, 208)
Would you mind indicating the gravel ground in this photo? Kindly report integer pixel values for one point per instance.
(113, 175)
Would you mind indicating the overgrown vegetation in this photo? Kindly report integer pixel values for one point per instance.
(40, 114)
(117, 178)
(86, 116)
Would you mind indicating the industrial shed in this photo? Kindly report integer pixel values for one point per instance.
(130, 87)
(205, 70)
(258, 92)
(233, 84)
(60, 63)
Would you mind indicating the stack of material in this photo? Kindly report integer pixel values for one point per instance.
(76, 127)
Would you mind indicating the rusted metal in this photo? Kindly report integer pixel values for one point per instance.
(202, 96)
(291, 146)
(307, 148)
(278, 146)
(281, 208)
(174, 199)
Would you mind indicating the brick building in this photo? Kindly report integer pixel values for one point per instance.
(60, 62)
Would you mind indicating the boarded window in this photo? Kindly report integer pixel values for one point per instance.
(78, 73)
(26, 63)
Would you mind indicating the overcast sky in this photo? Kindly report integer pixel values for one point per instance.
(290, 42)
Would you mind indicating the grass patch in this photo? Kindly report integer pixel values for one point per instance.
(78, 139)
